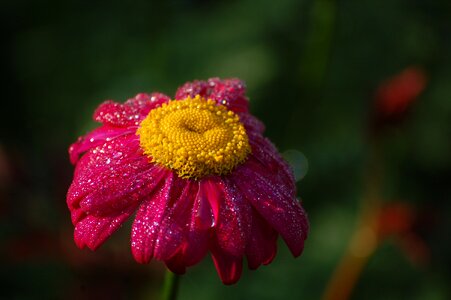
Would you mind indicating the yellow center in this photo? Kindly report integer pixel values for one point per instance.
(194, 137)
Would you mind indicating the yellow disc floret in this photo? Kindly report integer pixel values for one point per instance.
(195, 137)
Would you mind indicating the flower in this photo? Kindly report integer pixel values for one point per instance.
(199, 173)
(396, 95)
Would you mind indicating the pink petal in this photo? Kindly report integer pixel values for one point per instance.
(266, 153)
(262, 244)
(176, 264)
(191, 89)
(149, 219)
(282, 212)
(131, 113)
(197, 233)
(251, 123)
(174, 222)
(95, 138)
(208, 191)
(76, 214)
(93, 231)
(229, 92)
(234, 222)
(229, 267)
(112, 197)
(111, 177)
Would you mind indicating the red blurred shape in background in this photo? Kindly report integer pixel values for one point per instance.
(399, 221)
(395, 95)
(396, 218)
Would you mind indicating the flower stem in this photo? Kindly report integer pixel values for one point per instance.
(170, 286)
(365, 239)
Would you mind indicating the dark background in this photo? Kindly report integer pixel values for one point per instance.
(312, 68)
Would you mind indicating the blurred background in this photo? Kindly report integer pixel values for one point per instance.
(356, 94)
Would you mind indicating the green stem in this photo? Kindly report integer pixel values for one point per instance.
(170, 286)
(361, 246)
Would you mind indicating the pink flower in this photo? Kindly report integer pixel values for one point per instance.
(198, 173)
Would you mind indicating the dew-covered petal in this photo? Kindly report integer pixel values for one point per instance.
(266, 153)
(131, 113)
(110, 197)
(112, 176)
(191, 89)
(272, 178)
(208, 191)
(95, 138)
(175, 224)
(262, 244)
(229, 267)
(92, 231)
(195, 246)
(149, 219)
(171, 232)
(251, 123)
(228, 92)
(233, 224)
(282, 212)
(76, 214)
(197, 233)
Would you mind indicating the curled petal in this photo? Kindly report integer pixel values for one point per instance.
(171, 234)
(146, 239)
(234, 222)
(197, 233)
(76, 214)
(191, 89)
(231, 230)
(95, 138)
(283, 213)
(229, 92)
(92, 231)
(262, 245)
(111, 177)
(229, 267)
(251, 123)
(268, 156)
(131, 113)
(112, 197)
(208, 192)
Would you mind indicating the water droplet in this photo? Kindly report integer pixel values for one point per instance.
(298, 163)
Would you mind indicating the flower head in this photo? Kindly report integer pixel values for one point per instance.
(198, 173)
